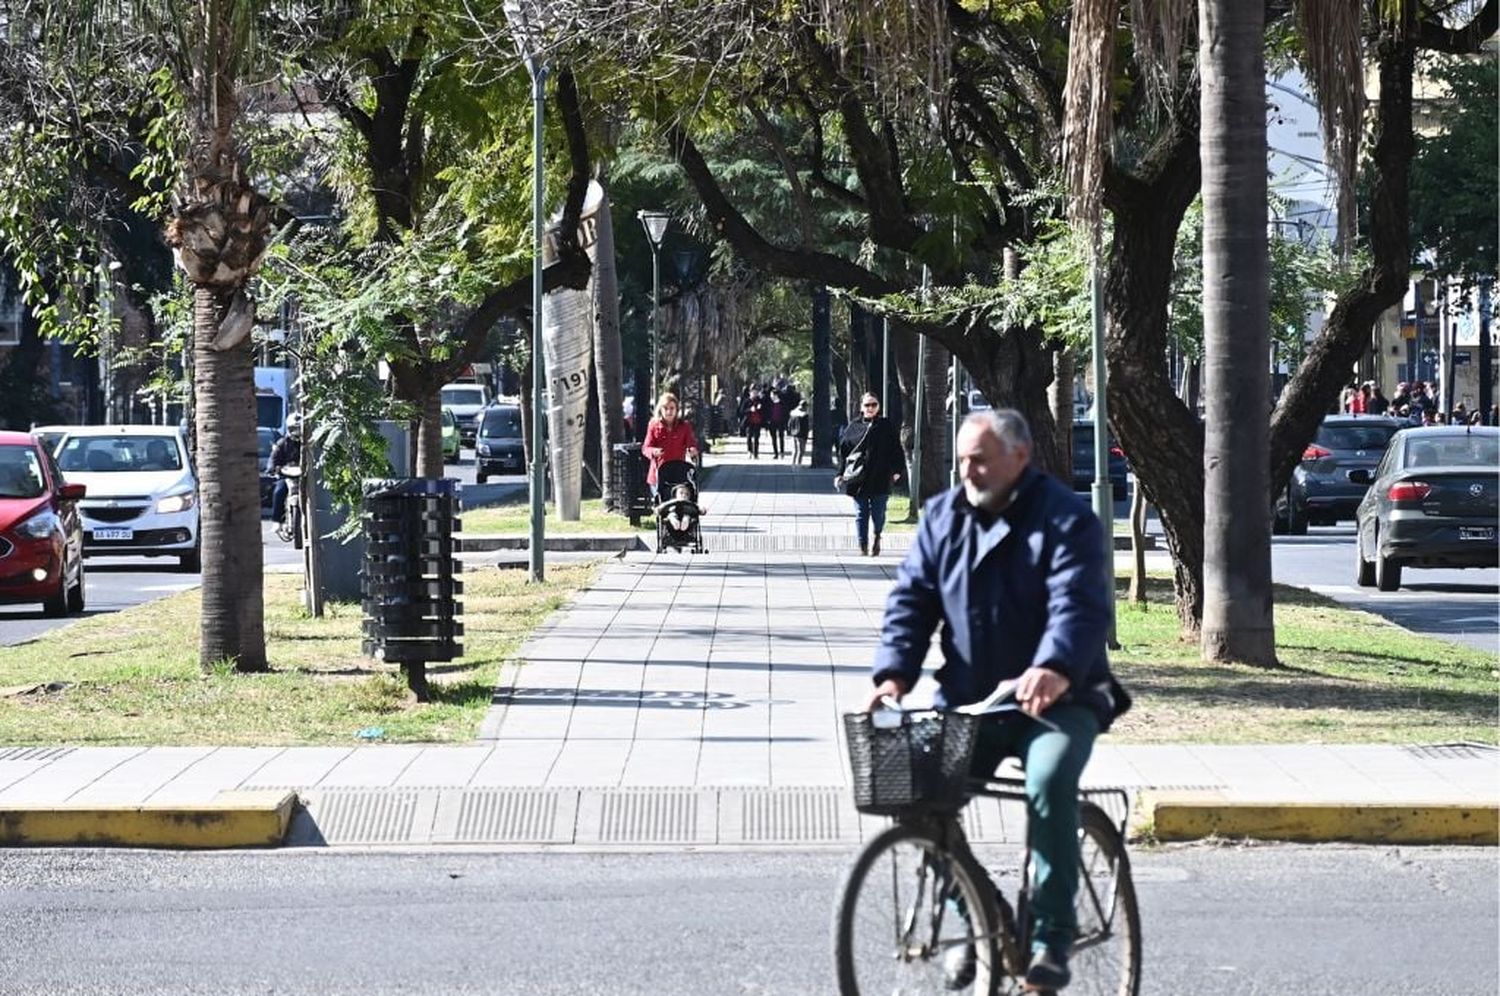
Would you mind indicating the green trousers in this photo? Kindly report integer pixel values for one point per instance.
(1054, 760)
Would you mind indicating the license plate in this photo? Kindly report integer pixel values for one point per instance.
(114, 534)
(1476, 532)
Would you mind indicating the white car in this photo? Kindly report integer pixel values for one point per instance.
(142, 494)
(465, 401)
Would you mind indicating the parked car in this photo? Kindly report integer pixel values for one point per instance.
(142, 493)
(265, 440)
(450, 436)
(1320, 492)
(1083, 461)
(499, 446)
(1431, 503)
(465, 401)
(41, 537)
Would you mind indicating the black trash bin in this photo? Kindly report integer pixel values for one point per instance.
(632, 497)
(409, 583)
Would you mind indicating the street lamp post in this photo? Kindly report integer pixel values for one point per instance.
(525, 20)
(655, 223)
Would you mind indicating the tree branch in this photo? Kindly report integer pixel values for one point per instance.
(1467, 40)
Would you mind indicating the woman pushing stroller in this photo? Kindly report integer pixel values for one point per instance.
(668, 438)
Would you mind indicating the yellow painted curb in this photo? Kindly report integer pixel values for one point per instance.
(233, 819)
(1196, 817)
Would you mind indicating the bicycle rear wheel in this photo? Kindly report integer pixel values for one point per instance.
(908, 906)
(1106, 958)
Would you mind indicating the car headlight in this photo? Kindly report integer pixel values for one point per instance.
(40, 525)
(176, 503)
(484, 449)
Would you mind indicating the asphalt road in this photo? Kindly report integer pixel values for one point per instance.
(1315, 921)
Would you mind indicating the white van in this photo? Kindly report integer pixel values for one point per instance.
(466, 401)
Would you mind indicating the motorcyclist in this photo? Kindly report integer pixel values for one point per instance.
(286, 452)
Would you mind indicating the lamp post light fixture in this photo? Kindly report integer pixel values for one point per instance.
(655, 223)
(526, 23)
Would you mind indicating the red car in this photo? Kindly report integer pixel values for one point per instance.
(41, 538)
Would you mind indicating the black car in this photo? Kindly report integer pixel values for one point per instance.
(498, 448)
(1083, 461)
(265, 440)
(1431, 503)
(1320, 492)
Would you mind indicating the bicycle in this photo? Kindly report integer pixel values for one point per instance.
(916, 897)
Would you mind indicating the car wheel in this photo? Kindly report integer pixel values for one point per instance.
(1387, 569)
(57, 606)
(1364, 570)
(1296, 520)
(76, 596)
(191, 562)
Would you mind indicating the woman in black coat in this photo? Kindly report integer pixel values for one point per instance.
(867, 478)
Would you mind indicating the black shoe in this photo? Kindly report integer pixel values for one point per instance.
(958, 966)
(864, 551)
(875, 546)
(1049, 970)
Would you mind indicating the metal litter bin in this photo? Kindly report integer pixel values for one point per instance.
(409, 585)
(632, 497)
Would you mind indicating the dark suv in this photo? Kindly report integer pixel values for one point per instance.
(498, 448)
(1083, 461)
(1320, 492)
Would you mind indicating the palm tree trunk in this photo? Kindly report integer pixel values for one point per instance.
(232, 625)
(607, 351)
(1237, 611)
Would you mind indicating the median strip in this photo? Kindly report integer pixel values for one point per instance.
(233, 819)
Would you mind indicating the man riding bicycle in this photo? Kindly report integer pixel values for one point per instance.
(1013, 565)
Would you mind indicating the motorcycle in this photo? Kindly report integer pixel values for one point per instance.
(289, 529)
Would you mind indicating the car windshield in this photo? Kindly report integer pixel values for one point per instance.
(463, 396)
(503, 423)
(1355, 437)
(20, 472)
(448, 419)
(107, 454)
(1454, 451)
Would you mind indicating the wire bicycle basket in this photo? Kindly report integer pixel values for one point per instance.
(902, 762)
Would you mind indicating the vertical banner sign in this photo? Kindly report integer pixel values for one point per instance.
(568, 345)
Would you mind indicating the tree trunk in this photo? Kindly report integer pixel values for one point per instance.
(232, 625)
(1060, 400)
(1159, 434)
(430, 434)
(1013, 370)
(937, 461)
(609, 388)
(1237, 605)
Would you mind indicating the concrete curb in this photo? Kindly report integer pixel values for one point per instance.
(234, 819)
(1193, 817)
(559, 543)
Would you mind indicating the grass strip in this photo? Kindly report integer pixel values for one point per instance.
(132, 677)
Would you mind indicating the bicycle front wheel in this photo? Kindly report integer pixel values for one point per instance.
(1106, 957)
(910, 912)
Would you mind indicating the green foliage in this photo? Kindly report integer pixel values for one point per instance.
(1453, 172)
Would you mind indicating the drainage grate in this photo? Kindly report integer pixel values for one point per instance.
(645, 816)
(1453, 752)
(510, 815)
(785, 816)
(377, 816)
(34, 753)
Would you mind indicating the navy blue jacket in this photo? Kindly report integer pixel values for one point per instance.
(1032, 590)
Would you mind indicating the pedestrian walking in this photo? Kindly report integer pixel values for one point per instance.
(1012, 564)
(776, 422)
(797, 425)
(870, 462)
(1378, 404)
(754, 420)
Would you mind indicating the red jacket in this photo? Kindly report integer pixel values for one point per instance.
(664, 444)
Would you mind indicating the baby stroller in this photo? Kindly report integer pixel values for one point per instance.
(678, 515)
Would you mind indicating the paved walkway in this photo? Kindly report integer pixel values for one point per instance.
(695, 699)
